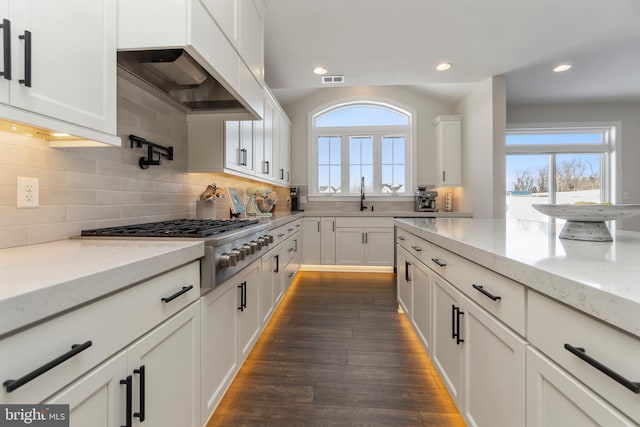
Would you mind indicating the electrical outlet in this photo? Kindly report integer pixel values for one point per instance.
(28, 192)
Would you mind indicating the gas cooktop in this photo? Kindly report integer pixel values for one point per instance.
(196, 228)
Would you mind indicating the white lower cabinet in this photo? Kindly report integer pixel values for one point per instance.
(231, 326)
(493, 372)
(271, 283)
(159, 373)
(446, 351)
(98, 399)
(369, 245)
(219, 345)
(404, 281)
(556, 399)
(422, 303)
(166, 372)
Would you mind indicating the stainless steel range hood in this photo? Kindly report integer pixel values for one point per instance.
(175, 73)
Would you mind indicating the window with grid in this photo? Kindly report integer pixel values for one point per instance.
(558, 165)
(362, 141)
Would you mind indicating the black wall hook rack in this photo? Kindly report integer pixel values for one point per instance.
(152, 148)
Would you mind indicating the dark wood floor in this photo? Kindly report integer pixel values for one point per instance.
(337, 353)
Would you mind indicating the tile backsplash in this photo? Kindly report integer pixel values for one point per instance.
(83, 188)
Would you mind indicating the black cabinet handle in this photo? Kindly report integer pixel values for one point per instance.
(287, 176)
(243, 296)
(486, 293)
(281, 173)
(6, 42)
(401, 238)
(11, 385)
(581, 353)
(458, 339)
(266, 170)
(277, 270)
(416, 248)
(27, 58)
(406, 271)
(128, 382)
(443, 176)
(140, 371)
(440, 263)
(184, 290)
(455, 323)
(318, 226)
(295, 245)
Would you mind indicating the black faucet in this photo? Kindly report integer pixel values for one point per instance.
(362, 206)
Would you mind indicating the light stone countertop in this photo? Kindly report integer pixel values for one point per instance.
(601, 279)
(38, 281)
(395, 214)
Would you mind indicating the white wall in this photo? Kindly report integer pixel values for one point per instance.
(628, 143)
(483, 150)
(426, 109)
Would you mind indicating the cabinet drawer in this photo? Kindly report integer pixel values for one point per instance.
(282, 232)
(414, 245)
(109, 324)
(500, 296)
(551, 326)
(290, 248)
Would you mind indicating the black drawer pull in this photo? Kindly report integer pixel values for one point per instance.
(416, 248)
(581, 353)
(143, 387)
(407, 264)
(129, 383)
(440, 263)
(184, 290)
(11, 385)
(6, 43)
(27, 58)
(486, 293)
(401, 238)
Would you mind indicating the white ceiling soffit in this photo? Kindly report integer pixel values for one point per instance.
(399, 42)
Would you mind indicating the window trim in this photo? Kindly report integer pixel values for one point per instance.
(611, 169)
(345, 132)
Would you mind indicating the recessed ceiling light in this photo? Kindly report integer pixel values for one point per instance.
(443, 66)
(59, 134)
(320, 71)
(562, 67)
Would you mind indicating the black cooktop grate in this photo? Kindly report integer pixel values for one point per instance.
(173, 228)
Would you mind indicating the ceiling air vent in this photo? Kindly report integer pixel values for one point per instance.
(332, 79)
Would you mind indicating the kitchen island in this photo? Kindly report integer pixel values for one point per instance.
(525, 328)
(598, 278)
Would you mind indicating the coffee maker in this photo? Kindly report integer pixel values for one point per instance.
(293, 193)
(426, 200)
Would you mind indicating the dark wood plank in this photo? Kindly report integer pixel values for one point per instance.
(337, 353)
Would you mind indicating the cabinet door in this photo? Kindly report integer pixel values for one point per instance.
(271, 288)
(421, 311)
(4, 83)
(97, 399)
(494, 371)
(170, 356)
(251, 38)
(233, 156)
(556, 399)
(263, 150)
(449, 149)
(328, 241)
(311, 241)
(73, 60)
(404, 280)
(350, 246)
(219, 345)
(446, 351)
(285, 149)
(378, 249)
(249, 314)
(246, 145)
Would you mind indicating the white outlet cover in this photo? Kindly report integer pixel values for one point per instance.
(28, 192)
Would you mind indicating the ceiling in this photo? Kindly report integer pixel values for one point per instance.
(399, 42)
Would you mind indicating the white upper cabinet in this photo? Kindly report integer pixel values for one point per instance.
(62, 66)
(251, 37)
(448, 133)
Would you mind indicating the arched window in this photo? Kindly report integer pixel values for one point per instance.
(361, 141)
